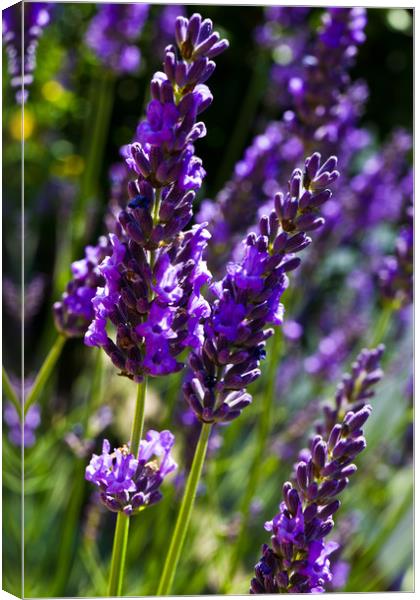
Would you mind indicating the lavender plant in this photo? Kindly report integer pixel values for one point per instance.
(297, 561)
(144, 297)
(31, 423)
(155, 273)
(247, 300)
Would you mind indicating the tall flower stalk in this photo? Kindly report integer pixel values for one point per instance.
(154, 273)
(247, 300)
(297, 561)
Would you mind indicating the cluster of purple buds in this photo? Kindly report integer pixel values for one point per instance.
(164, 153)
(334, 349)
(323, 97)
(74, 312)
(157, 310)
(248, 298)
(129, 483)
(36, 16)
(379, 192)
(155, 273)
(113, 33)
(297, 561)
(13, 421)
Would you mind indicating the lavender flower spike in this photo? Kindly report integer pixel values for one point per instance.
(297, 561)
(130, 483)
(112, 35)
(248, 298)
(156, 270)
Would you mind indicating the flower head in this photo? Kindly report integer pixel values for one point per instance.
(129, 483)
(298, 559)
(247, 300)
(153, 278)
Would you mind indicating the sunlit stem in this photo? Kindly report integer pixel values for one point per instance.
(119, 548)
(10, 392)
(185, 512)
(263, 433)
(44, 373)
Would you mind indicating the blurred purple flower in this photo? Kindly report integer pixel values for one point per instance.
(21, 42)
(32, 422)
(113, 33)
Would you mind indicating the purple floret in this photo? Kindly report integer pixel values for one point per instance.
(128, 483)
(75, 311)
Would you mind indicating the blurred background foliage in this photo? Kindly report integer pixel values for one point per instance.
(68, 537)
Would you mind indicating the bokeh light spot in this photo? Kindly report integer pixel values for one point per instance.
(282, 54)
(52, 91)
(70, 166)
(15, 126)
(399, 19)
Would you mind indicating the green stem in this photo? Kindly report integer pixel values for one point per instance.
(185, 512)
(119, 551)
(101, 97)
(138, 421)
(102, 100)
(44, 373)
(119, 548)
(382, 325)
(263, 432)
(10, 392)
(70, 530)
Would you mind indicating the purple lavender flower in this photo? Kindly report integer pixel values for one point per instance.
(333, 349)
(36, 16)
(323, 108)
(32, 421)
(395, 274)
(113, 33)
(380, 190)
(298, 559)
(155, 273)
(248, 298)
(128, 483)
(74, 311)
